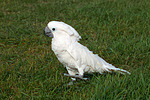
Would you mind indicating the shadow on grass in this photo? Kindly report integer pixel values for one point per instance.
(90, 77)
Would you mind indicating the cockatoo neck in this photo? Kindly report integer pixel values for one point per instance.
(62, 41)
(63, 37)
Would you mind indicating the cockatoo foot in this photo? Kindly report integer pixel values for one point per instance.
(75, 76)
(70, 83)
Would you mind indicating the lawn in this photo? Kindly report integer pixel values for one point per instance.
(116, 30)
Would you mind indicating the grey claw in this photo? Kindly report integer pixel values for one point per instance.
(75, 76)
(70, 83)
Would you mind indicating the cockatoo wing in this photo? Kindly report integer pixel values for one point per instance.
(86, 61)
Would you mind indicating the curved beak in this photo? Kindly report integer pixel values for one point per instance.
(48, 32)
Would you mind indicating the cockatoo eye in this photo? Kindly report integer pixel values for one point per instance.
(53, 29)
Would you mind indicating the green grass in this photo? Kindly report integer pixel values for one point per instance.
(116, 30)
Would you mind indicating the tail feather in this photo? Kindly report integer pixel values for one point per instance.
(113, 68)
(122, 71)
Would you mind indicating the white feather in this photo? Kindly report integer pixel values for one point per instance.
(77, 58)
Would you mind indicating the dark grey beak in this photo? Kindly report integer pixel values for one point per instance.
(48, 32)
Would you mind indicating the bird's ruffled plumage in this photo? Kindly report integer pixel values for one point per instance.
(77, 58)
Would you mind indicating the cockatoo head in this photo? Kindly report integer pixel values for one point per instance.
(56, 28)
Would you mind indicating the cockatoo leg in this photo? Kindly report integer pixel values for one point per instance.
(71, 72)
(75, 76)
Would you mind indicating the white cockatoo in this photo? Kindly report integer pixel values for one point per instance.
(75, 57)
